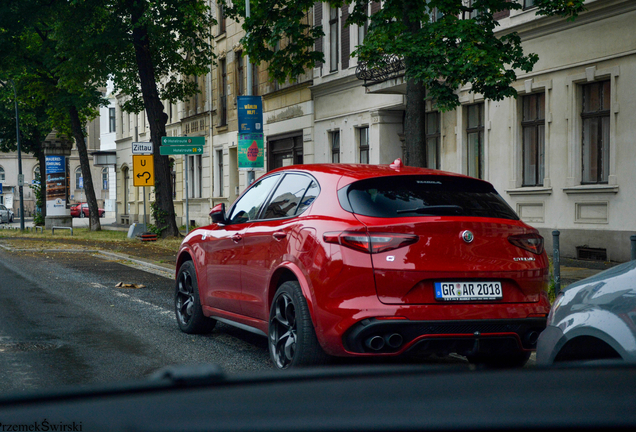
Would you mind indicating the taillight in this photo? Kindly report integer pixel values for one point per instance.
(530, 242)
(370, 243)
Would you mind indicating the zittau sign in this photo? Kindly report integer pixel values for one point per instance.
(180, 150)
(188, 141)
(143, 170)
(142, 148)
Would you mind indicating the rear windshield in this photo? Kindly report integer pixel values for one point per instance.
(404, 196)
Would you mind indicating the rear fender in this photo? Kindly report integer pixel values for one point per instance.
(305, 287)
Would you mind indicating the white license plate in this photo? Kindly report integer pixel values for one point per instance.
(466, 291)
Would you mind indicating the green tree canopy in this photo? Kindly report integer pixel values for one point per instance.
(443, 44)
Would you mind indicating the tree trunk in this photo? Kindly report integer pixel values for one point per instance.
(414, 124)
(165, 218)
(414, 121)
(38, 153)
(78, 134)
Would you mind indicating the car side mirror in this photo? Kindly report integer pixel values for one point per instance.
(218, 214)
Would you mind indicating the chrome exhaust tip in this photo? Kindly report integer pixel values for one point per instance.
(376, 343)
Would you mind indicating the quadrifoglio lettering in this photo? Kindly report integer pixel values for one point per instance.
(44, 426)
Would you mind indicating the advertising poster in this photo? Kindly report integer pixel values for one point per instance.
(250, 114)
(251, 152)
(56, 191)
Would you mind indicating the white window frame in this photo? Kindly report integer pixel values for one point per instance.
(575, 128)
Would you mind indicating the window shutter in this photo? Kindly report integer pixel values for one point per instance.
(344, 60)
(318, 22)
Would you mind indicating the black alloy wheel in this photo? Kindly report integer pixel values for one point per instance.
(187, 304)
(292, 338)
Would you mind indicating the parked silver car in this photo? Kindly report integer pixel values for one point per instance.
(593, 319)
(5, 216)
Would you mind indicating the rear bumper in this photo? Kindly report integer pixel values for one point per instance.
(466, 337)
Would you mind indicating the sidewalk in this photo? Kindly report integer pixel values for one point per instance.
(573, 270)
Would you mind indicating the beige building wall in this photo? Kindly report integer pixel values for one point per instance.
(599, 46)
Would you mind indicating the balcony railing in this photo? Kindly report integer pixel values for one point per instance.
(392, 67)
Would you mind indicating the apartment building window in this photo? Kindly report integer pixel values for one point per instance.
(222, 95)
(1, 174)
(221, 18)
(432, 139)
(533, 130)
(195, 173)
(105, 178)
(125, 172)
(254, 79)
(527, 4)
(472, 14)
(79, 180)
(363, 144)
(196, 96)
(362, 31)
(333, 39)
(475, 136)
(285, 150)
(219, 173)
(335, 146)
(240, 79)
(111, 120)
(433, 13)
(596, 131)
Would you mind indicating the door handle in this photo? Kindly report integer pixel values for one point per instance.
(279, 235)
(237, 238)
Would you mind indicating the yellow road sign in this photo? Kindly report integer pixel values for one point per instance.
(143, 170)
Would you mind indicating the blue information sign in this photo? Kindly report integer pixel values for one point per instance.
(55, 164)
(1, 188)
(250, 114)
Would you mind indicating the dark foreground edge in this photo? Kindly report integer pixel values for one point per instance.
(199, 398)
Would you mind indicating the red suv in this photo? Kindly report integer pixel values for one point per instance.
(368, 260)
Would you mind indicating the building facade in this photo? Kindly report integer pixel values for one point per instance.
(561, 153)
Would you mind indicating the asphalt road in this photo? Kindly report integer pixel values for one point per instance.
(63, 322)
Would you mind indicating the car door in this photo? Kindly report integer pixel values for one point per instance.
(4, 214)
(224, 248)
(269, 241)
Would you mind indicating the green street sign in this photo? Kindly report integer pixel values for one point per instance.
(190, 141)
(165, 150)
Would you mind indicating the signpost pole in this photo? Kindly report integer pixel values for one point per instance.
(187, 190)
(145, 212)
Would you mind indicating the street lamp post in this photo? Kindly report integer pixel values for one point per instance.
(250, 174)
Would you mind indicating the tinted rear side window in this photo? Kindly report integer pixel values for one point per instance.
(407, 196)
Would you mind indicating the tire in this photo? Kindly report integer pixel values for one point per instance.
(513, 360)
(292, 339)
(187, 304)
